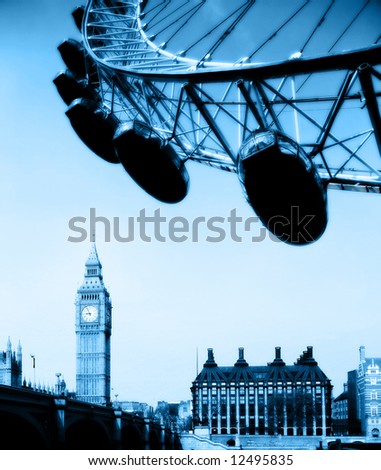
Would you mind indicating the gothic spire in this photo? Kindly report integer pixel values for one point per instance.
(93, 268)
(19, 352)
(93, 259)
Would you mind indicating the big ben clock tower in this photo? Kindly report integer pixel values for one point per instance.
(93, 332)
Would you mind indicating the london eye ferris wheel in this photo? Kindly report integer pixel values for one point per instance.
(285, 94)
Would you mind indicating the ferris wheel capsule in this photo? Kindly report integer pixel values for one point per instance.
(95, 127)
(77, 15)
(283, 187)
(70, 87)
(73, 54)
(151, 162)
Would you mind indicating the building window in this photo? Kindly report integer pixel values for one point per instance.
(373, 395)
(373, 410)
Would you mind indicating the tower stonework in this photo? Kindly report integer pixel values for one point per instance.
(11, 366)
(93, 334)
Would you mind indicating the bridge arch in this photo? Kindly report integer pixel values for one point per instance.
(21, 432)
(132, 438)
(87, 434)
(168, 441)
(154, 440)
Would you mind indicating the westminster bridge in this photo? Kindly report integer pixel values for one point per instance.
(35, 420)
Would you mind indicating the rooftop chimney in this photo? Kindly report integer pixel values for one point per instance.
(210, 361)
(241, 360)
(306, 358)
(278, 361)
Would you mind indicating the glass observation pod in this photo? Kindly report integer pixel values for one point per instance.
(151, 161)
(94, 126)
(283, 187)
(143, 152)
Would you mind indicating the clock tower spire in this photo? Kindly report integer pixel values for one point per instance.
(93, 332)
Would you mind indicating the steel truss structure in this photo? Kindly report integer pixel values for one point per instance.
(207, 108)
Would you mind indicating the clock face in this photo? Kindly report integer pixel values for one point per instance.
(89, 313)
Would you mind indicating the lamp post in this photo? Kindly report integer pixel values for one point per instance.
(34, 370)
(58, 385)
(115, 403)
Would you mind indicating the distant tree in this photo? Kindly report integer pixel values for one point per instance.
(162, 414)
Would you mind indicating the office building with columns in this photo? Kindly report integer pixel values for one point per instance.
(275, 399)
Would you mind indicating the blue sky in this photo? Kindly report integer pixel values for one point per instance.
(169, 298)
